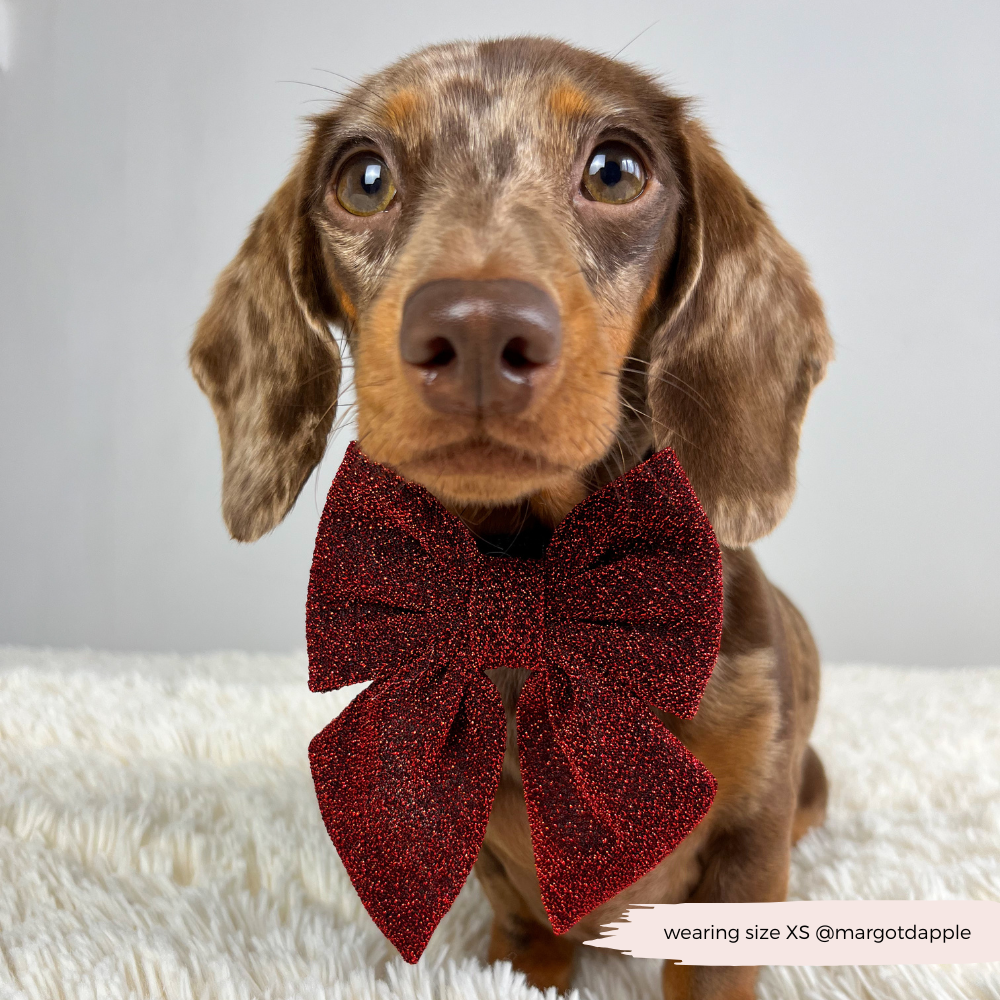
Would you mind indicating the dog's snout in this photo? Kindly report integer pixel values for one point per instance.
(479, 347)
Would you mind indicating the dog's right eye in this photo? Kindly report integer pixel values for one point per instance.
(614, 175)
(365, 185)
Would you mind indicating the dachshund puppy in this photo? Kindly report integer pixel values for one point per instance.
(545, 271)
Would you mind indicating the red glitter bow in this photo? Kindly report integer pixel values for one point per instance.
(624, 610)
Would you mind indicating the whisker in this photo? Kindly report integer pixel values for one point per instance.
(325, 371)
(342, 94)
(671, 379)
(357, 83)
(646, 362)
(655, 421)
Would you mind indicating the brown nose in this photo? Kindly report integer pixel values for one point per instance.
(479, 347)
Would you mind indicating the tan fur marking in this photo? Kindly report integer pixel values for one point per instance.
(649, 296)
(344, 301)
(400, 108)
(568, 101)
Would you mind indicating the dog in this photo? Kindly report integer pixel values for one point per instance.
(544, 271)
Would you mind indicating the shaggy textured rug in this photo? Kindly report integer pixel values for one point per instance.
(159, 838)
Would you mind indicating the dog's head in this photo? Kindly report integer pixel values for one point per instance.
(543, 268)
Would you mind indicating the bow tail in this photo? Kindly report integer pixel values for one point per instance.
(610, 791)
(406, 776)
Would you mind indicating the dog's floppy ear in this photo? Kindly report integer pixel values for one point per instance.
(741, 346)
(265, 357)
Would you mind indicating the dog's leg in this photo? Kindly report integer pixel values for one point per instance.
(727, 982)
(813, 790)
(744, 866)
(517, 937)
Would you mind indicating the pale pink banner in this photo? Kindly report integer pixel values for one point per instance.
(812, 932)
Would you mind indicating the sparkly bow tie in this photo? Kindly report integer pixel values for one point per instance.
(623, 610)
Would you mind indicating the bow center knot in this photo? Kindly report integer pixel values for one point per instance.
(507, 612)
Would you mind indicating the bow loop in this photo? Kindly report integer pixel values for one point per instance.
(363, 614)
(651, 508)
(637, 589)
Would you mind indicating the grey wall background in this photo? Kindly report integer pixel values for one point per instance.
(138, 140)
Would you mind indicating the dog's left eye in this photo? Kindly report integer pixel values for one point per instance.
(614, 175)
(365, 185)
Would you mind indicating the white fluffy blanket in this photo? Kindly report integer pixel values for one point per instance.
(159, 837)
